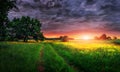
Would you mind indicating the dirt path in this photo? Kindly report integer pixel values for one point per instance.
(41, 62)
(41, 67)
(76, 69)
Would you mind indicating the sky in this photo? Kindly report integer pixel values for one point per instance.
(74, 18)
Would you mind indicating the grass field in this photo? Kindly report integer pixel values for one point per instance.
(19, 57)
(73, 56)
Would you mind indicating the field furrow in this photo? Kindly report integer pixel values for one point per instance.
(97, 60)
(60, 57)
(41, 67)
(53, 62)
(68, 57)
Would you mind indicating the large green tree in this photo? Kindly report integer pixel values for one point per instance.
(5, 6)
(26, 27)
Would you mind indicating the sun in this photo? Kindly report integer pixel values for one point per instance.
(86, 37)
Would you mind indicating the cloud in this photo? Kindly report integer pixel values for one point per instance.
(64, 16)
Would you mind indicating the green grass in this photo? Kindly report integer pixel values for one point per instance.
(53, 62)
(19, 57)
(82, 56)
(116, 42)
(105, 59)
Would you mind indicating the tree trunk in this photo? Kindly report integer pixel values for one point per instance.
(26, 39)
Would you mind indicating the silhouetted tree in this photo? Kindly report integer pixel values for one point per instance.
(41, 36)
(61, 37)
(114, 37)
(64, 39)
(25, 27)
(103, 37)
(109, 38)
(5, 6)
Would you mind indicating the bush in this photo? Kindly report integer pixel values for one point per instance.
(116, 41)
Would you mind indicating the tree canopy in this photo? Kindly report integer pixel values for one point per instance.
(26, 27)
(5, 6)
(18, 28)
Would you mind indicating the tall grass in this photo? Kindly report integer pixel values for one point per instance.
(53, 62)
(59, 57)
(116, 42)
(19, 57)
(97, 60)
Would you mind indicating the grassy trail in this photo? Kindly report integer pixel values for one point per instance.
(41, 62)
(97, 60)
(54, 62)
(67, 56)
(59, 57)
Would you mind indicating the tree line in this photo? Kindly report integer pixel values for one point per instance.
(19, 28)
(105, 37)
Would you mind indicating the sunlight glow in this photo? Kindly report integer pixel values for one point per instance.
(86, 37)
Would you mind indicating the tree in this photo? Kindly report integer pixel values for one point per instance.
(25, 27)
(39, 36)
(114, 37)
(64, 38)
(5, 6)
(103, 37)
(109, 38)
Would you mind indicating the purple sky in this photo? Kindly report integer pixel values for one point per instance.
(72, 17)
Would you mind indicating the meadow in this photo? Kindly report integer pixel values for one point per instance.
(73, 56)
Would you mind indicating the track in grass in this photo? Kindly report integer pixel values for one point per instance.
(53, 62)
(87, 60)
(41, 67)
(59, 57)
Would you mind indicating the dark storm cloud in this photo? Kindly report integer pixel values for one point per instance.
(71, 15)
